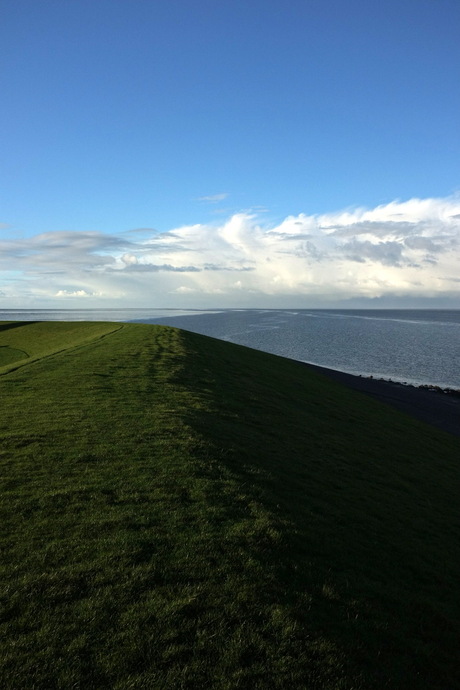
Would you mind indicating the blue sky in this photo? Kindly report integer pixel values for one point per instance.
(144, 138)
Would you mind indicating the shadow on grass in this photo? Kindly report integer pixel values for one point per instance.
(346, 508)
(15, 324)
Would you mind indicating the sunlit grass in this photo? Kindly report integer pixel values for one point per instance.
(24, 342)
(182, 512)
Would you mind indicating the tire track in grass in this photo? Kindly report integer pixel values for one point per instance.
(38, 358)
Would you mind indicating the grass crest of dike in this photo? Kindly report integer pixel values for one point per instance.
(23, 342)
(179, 511)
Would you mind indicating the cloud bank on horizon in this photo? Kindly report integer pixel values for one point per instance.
(403, 252)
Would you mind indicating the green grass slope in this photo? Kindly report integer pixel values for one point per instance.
(179, 512)
(24, 342)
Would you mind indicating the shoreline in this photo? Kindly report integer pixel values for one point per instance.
(446, 390)
(433, 405)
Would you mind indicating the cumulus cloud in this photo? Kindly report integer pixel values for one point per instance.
(407, 249)
(386, 253)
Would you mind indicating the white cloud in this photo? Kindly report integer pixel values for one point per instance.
(72, 293)
(408, 249)
(184, 290)
(129, 259)
(213, 198)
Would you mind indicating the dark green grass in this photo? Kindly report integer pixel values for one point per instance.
(178, 512)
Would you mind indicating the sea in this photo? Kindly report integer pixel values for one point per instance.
(417, 347)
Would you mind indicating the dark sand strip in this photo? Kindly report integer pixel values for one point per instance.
(434, 407)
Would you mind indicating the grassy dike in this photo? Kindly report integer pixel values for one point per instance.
(180, 512)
